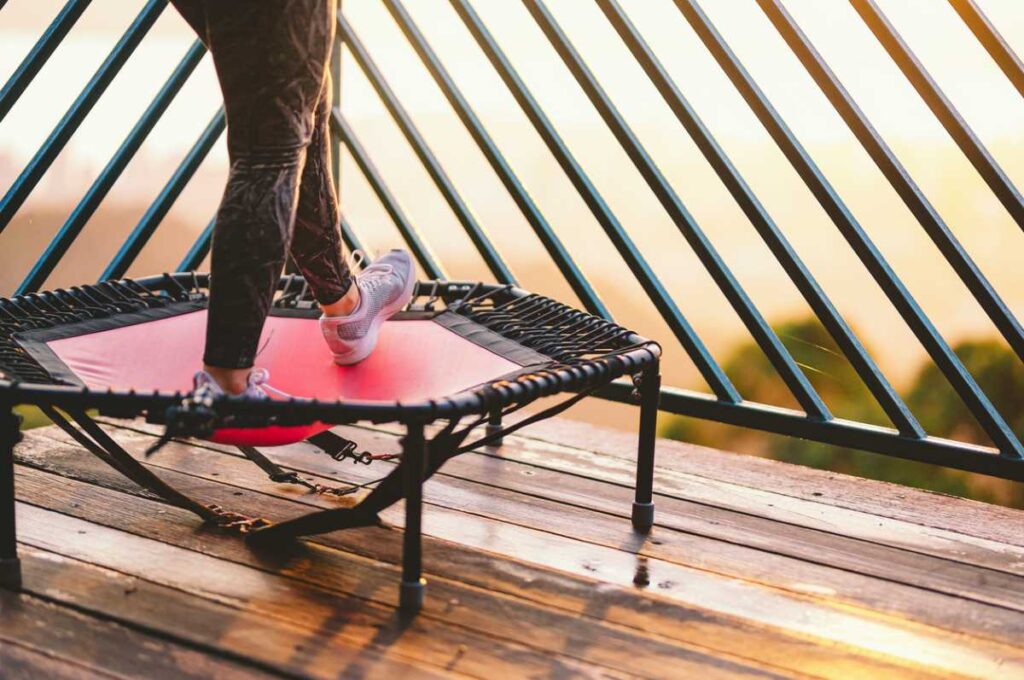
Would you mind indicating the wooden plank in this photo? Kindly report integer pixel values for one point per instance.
(322, 615)
(777, 508)
(715, 540)
(694, 589)
(918, 506)
(780, 508)
(544, 500)
(218, 628)
(50, 629)
(563, 606)
(742, 500)
(22, 663)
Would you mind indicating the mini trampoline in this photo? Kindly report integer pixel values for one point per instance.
(458, 359)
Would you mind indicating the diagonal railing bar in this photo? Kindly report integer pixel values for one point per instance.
(348, 234)
(97, 85)
(942, 108)
(563, 260)
(40, 54)
(940, 352)
(763, 335)
(773, 237)
(419, 249)
(677, 323)
(85, 209)
(897, 175)
(992, 41)
(156, 212)
(426, 156)
(199, 250)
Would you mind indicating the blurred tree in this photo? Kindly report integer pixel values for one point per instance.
(999, 373)
(941, 412)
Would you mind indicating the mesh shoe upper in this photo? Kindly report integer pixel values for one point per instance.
(384, 289)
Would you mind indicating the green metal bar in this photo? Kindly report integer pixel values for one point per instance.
(351, 239)
(47, 153)
(430, 163)
(40, 54)
(773, 237)
(943, 109)
(837, 432)
(741, 303)
(897, 175)
(929, 337)
(680, 327)
(142, 232)
(559, 254)
(419, 249)
(336, 54)
(199, 250)
(85, 209)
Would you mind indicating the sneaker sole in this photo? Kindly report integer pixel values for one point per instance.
(354, 357)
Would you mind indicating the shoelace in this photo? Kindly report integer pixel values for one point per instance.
(259, 377)
(358, 257)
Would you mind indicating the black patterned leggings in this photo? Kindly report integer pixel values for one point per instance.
(272, 59)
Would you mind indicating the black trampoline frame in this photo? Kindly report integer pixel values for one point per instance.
(537, 323)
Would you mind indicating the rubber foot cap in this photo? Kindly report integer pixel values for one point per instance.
(643, 516)
(10, 573)
(410, 595)
(494, 429)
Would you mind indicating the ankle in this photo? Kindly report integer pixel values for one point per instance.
(231, 380)
(348, 303)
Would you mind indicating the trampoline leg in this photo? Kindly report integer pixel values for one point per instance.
(494, 427)
(10, 566)
(414, 463)
(643, 503)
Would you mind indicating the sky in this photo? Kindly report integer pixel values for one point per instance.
(965, 72)
(931, 28)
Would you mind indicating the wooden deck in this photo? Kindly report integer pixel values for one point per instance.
(754, 568)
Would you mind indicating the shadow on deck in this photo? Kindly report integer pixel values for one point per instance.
(754, 568)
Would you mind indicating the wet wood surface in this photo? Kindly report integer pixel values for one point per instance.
(754, 569)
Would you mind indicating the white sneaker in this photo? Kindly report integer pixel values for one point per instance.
(256, 386)
(385, 288)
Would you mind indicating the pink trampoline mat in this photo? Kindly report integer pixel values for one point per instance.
(415, 359)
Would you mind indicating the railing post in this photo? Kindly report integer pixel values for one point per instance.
(10, 434)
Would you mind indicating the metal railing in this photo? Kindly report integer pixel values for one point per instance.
(906, 439)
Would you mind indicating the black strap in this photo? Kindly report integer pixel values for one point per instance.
(442, 448)
(339, 448)
(133, 469)
(278, 474)
(273, 470)
(100, 444)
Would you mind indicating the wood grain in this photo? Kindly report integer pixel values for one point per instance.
(572, 599)
(534, 570)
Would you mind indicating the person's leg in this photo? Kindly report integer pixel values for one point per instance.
(194, 14)
(271, 58)
(316, 243)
